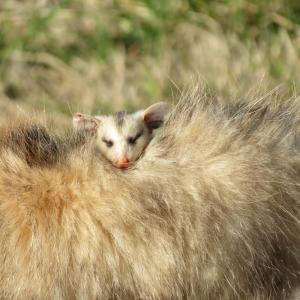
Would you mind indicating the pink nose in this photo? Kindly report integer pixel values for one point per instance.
(122, 163)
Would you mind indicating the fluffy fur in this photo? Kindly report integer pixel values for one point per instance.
(210, 212)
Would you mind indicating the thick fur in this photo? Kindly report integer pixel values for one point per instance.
(210, 212)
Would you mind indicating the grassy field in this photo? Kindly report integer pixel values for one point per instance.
(96, 56)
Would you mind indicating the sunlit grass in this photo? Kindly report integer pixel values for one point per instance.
(101, 56)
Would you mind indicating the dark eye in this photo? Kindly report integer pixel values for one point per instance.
(108, 143)
(132, 140)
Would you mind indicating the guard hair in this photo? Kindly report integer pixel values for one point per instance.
(211, 211)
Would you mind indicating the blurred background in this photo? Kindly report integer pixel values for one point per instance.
(100, 56)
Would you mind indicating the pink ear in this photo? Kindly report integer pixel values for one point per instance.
(154, 116)
(86, 122)
(78, 117)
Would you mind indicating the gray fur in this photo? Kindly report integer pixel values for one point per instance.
(119, 118)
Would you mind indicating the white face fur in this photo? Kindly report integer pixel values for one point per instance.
(125, 143)
(123, 137)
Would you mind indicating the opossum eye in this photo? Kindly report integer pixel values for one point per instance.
(132, 140)
(108, 143)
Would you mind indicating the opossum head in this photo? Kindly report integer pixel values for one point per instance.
(123, 137)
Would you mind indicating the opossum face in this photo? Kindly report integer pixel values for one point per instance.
(123, 137)
(122, 140)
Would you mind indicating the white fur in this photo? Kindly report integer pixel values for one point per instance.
(113, 139)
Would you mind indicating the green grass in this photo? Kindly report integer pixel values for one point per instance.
(125, 54)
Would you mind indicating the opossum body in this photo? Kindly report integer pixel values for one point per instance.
(123, 137)
(211, 211)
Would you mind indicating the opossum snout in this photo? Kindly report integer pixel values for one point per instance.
(123, 162)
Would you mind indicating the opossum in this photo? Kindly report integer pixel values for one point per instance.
(211, 210)
(123, 137)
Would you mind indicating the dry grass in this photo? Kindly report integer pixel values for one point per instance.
(92, 56)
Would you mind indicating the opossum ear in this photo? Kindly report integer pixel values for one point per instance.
(85, 122)
(154, 116)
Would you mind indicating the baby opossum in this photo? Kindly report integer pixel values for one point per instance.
(123, 137)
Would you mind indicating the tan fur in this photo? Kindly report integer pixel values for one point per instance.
(210, 212)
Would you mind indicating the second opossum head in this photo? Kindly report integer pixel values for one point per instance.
(122, 137)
